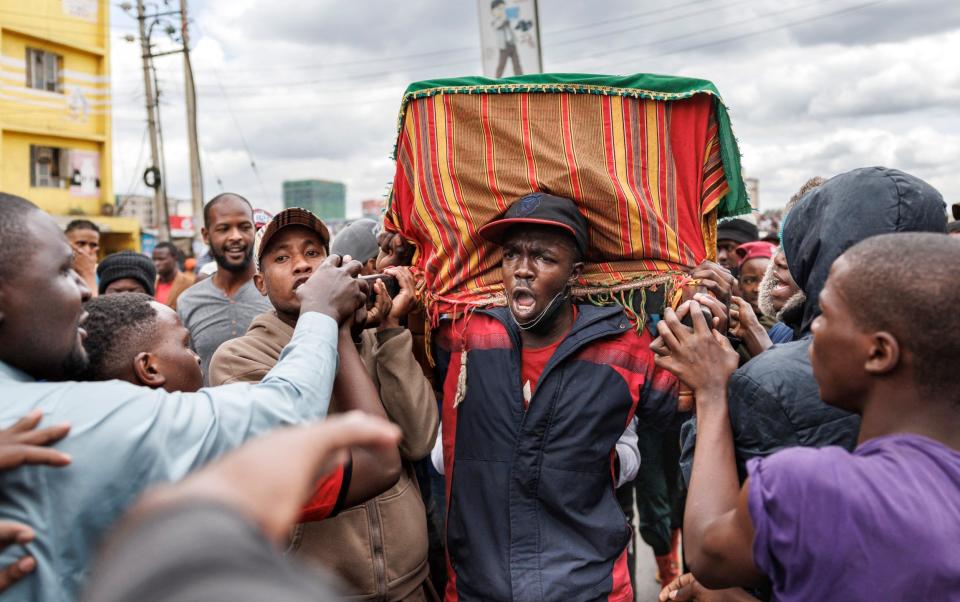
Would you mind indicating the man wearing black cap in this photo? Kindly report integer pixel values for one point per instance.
(126, 272)
(536, 396)
(731, 234)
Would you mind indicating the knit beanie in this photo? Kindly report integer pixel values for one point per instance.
(737, 230)
(127, 264)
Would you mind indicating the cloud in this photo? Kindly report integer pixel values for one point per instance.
(312, 89)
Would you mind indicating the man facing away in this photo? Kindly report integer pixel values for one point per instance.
(171, 280)
(222, 306)
(378, 548)
(882, 522)
(125, 438)
(536, 395)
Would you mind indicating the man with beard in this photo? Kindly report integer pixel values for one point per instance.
(536, 396)
(781, 298)
(125, 438)
(221, 307)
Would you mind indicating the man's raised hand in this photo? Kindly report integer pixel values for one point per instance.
(701, 358)
(24, 443)
(267, 480)
(333, 289)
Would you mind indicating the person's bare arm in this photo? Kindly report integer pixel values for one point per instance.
(686, 588)
(374, 469)
(718, 532)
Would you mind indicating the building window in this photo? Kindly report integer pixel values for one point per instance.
(43, 70)
(49, 167)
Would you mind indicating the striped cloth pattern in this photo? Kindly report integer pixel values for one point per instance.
(647, 174)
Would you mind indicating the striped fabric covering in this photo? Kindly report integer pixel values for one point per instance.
(647, 174)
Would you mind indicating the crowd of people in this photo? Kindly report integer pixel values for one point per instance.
(141, 454)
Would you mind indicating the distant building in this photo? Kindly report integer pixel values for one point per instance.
(55, 130)
(143, 209)
(326, 199)
(372, 208)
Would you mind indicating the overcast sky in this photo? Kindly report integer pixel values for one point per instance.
(312, 89)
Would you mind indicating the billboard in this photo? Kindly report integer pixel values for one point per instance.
(510, 37)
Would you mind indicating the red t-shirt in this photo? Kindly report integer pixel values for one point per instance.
(532, 362)
(163, 291)
(328, 496)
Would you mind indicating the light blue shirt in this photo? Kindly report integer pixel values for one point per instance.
(126, 438)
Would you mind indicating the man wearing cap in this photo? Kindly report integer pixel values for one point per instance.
(126, 272)
(536, 396)
(222, 306)
(377, 547)
(359, 241)
(753, 259)
(731, 234)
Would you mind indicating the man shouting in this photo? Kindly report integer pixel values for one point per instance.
(536, 395)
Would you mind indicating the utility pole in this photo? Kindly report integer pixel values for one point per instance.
(190, 90)
(159, 189)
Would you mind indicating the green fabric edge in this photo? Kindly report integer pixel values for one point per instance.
(643, 85)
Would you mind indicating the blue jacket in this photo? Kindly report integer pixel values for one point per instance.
(531, 508)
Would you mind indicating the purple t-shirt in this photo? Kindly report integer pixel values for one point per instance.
(882, 523)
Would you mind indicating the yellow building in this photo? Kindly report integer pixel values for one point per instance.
(55, 112)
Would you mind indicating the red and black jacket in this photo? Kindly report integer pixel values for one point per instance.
(531, 508)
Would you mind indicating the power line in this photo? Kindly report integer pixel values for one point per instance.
(745, 35)
(136, 166)
(243, 139)
(458, 49)
(380, 74)
(653, 43)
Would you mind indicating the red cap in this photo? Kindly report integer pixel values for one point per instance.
(754, 250)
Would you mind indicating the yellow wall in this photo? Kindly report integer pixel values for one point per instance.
(15, 174)
(78, 118)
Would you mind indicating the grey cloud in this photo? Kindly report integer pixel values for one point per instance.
(893, 21)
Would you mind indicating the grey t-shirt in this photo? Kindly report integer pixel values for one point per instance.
(212, 317)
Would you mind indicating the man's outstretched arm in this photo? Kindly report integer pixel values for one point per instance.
(718, 532)
(373, 470)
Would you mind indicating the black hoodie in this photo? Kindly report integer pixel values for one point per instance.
(846, 210)
(774, 400)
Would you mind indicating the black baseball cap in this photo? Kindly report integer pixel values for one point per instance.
(541, 209)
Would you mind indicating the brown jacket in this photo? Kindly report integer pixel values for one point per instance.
(379, 548)
(181, 282)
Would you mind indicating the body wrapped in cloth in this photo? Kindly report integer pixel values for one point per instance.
(651, 162)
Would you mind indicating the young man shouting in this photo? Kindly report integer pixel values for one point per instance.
(881, 522)
(536, 396)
